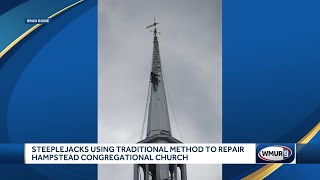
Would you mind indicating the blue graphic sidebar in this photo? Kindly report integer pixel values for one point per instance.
(11, 154)
(7, 6)
(49, 88)
(309, 153)
(270, 78)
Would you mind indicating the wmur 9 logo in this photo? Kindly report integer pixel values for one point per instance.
(267, 153)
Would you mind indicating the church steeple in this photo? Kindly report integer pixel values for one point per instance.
(158, 117)
(158, 128)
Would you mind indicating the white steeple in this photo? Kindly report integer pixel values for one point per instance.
(158, 117)
(158, 128)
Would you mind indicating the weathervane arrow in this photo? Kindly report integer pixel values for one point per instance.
(152, 25)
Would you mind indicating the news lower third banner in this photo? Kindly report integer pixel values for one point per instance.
(246, 153)
(139, 153)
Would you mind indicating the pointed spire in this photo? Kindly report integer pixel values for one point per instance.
(158, 129)
(158, 117)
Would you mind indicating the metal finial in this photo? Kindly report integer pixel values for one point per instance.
(152, 25)
(155, 32)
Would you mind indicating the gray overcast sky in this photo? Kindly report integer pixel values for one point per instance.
(190, 48)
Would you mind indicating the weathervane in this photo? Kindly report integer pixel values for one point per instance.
(155, 28)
